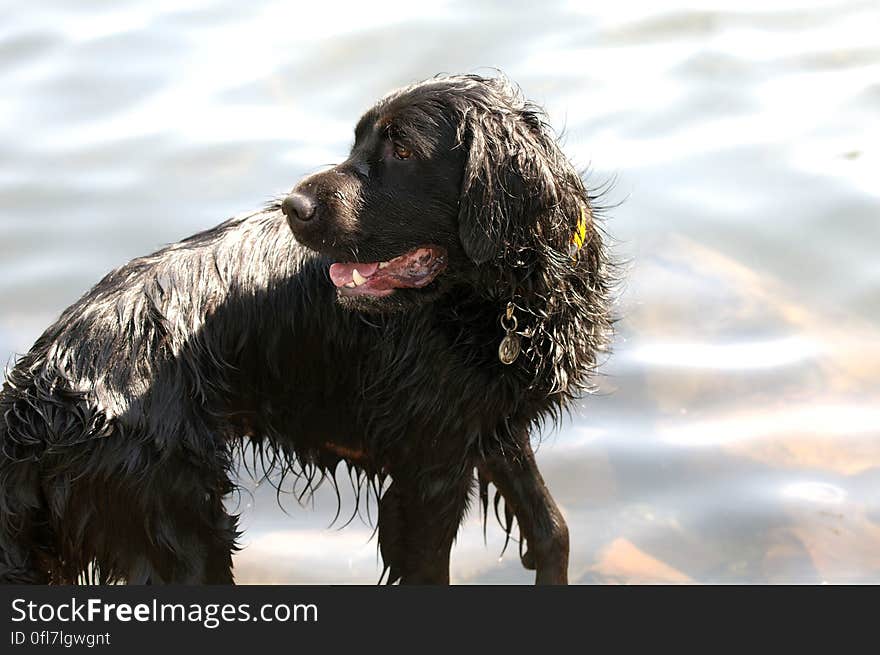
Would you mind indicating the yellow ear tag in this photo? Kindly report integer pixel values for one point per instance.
(579, 238)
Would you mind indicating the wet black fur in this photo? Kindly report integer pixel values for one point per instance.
(119, 427)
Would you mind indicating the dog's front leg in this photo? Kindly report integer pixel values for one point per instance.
(418, 520)
(517, 478)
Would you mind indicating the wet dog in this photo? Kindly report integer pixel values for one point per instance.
(415, 311)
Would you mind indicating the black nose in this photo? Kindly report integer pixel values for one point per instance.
(299, 207)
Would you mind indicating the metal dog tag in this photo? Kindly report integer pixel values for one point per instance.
(508, 351)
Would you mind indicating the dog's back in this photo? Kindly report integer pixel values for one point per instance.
(98, 411)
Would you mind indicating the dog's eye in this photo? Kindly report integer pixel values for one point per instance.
(401, 151)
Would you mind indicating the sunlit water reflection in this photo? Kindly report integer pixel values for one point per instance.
(735, 437)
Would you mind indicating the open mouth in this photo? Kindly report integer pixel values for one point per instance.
(411, 270)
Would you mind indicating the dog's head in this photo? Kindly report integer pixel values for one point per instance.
(455, 180)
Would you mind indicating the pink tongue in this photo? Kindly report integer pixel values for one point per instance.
(341, 274)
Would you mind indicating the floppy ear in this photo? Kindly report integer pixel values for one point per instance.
(507, 184)
(479, 217)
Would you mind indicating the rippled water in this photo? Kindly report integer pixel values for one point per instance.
(736, 438)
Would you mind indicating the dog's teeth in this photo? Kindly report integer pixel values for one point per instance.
(382, 265)
(351, 285)
(358, 278)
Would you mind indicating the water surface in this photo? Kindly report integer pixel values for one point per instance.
(735, 438)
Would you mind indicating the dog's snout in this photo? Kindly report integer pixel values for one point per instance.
(299, 207)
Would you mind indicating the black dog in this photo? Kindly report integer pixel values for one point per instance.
(450, 293)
